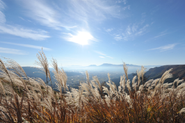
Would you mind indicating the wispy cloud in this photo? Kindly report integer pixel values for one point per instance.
(126, 7)
(81, 37)
(2, 16)
(23, 32)
(161, 34)
(109, 30)
(118, 37)
(164, 48)
(80, 12)
(2, 5)
(121, 1)
(103, 55)
(131, 32)
(45, 14)
(27, 45)
(11, 51)
(97, 10)
(18, 30)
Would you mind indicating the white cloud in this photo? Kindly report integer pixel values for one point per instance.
(71, 13)
(100, 53)
(24, 33)
(103, 55)
(142, 30)
(42, 12)
(27, 45)
(19, 31)
(2, 5)
(2, 16)
(93, 9)
(161, 34)
(164, 48)
(118, 37)
(11, 51)
(121, 1)
(126, 7)
(82, 37)
(131, 32)
(109, 30)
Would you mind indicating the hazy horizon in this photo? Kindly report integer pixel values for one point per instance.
(93, 32)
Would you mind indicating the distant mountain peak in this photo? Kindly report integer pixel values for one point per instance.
(93, 65)
(107, 64)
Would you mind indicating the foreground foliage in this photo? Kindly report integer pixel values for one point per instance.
(24, 99)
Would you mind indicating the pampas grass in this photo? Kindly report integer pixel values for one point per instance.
(27, 99)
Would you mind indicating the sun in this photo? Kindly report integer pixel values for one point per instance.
(82, 38)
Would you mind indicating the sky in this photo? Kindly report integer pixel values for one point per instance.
(86, 32)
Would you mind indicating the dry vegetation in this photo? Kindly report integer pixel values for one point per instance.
(24, 99)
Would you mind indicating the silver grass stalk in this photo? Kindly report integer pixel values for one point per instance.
(106, 90)
(148, 83)
(125, 70)
(88, 82)
(142, 72)
(94, 83)
(87, 77)
(85, 88)
(180, 81)
(3, 68)
(8, 89)
(133, 82)
(95, 78)
(107, 100)
(41, 82)
(182, 111)
(60, 76)
(47, 104)
(43, 62)
(113, 89)
(128, 85)
(17, 68)
(155, 82)
(181, 86)
(2, 90)
(138, 77)
(166, 75)
(180, 92)
(122, 83)
(141, 88)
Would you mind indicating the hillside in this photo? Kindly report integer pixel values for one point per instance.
(178, 71)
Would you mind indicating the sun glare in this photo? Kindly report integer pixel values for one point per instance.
(81, 38)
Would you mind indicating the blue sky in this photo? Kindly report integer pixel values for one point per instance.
(85, 32)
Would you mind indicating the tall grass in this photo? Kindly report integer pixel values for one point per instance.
(25, 99)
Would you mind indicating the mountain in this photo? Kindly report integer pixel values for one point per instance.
(36, 72)
(93, 65)
(178, 72)
(115, 65)
(106, 65)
